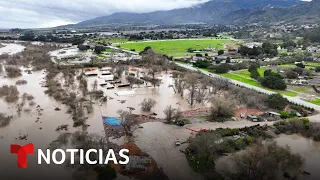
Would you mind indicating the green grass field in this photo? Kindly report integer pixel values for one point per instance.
(257, 84)
(301, 89)
(316, 102)
(176, 48)
(246, 74)
(309, 65)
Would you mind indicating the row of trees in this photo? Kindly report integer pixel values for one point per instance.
(270, 80)
(31, 36)
(267, 48)
(273, 80)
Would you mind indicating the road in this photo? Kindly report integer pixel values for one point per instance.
(291, 99)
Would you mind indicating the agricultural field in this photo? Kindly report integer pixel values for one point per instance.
(176, 48)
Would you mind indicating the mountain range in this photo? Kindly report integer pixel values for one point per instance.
(216, 12)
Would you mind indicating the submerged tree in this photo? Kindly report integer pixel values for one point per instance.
(179, 85)
(169, 112)
(127, 121)
(147, 104)
(119, 71)
(85, 141)
(265, 161)
(192, 84)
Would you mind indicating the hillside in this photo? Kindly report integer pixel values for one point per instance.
(210, 12)
(307, 12)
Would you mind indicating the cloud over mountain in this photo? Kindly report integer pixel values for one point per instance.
(40, 13)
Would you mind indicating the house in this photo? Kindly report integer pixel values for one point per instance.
(195, 58)
(221, 58)
(208, 49)
(136, 57)
(252, 44)
(313, 49)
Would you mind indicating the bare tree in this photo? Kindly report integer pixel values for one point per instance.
(127, 121)
(179, 85)
(192, 84)
(133, 81)
(85, 141)
(221, 109)
(152, 72)
(177, 115)
(95, 85)
(169, 112)
(201, 94)
(83, 86)
(119, 71)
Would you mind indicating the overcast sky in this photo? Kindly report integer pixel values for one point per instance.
(50, 13)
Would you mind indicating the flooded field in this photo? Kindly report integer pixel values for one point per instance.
(37, 123)
(164, 96)
(11, 48)
(308, 148)
(157, 139)
(40, 133)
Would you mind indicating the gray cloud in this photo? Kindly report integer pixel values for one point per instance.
(49, 13)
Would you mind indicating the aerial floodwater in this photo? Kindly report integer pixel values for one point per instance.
(309, 149)
(11, 48)
(172, 90)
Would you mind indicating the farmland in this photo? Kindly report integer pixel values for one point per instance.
(176, 48)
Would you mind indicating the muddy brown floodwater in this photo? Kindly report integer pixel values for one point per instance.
(164, 96)
(40, 129)
(11, 48)
(157, 139)
(26, 125)
(308, 148)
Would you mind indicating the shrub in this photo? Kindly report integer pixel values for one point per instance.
(21, 82)
(277, 101)
(273, 82)
(10, 93)
(221, 109)
(4, 120)
(97, 94)
(285, 114)
(254, 74)
(220, 52)
(147, 104)
(223, 68)
(202, 63)
(13, 72)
